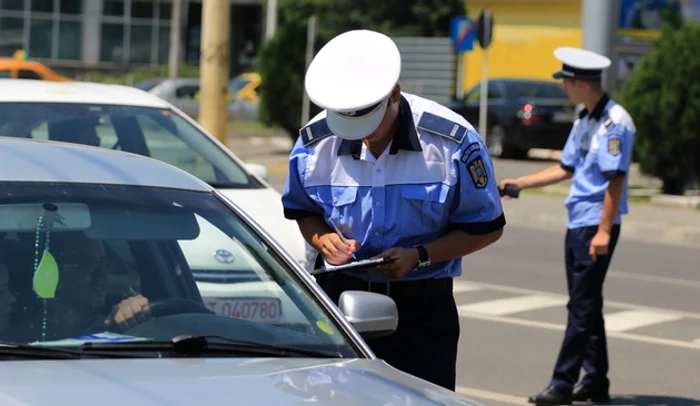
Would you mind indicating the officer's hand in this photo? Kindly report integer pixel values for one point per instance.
(504, 182)
(129, 313)
(599, 244)
(408, 260)
(335, 251)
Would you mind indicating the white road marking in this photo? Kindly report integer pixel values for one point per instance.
(625, 306)
(560, 327)
(631, 319)
(491, 396)
(656, 279)
(511, 305)
(462, 287)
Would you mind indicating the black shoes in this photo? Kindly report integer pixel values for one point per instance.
(586, 394)
(552, 396)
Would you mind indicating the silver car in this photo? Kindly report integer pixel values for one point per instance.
(98, 304)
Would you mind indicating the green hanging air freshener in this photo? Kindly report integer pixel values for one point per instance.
(46, 276)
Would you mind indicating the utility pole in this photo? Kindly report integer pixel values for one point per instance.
(310, 41)
(599, 22)
(214, 67)
(271, 19)
(175, 32)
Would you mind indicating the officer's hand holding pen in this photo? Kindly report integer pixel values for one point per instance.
(336, 249)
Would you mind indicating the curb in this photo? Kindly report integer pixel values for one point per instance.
(634, 230)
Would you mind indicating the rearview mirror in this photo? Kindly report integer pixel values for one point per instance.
(372, 314)
(258, 170)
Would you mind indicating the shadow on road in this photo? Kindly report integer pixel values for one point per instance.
(648, 400)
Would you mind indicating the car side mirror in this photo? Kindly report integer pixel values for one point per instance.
(258, 170)
(372, 314)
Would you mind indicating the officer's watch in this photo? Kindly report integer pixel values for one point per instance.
(423, 257)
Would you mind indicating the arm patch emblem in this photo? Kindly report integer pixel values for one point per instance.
(614, 145)
(477, 170)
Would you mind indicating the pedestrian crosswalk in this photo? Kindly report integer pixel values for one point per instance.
(547, 310)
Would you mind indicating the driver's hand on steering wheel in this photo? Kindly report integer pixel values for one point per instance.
(129, 313)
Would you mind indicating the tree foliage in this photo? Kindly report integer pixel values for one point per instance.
(281, 61)
(662, 94)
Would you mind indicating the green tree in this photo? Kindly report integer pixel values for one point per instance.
(281, 61)
(662, 94)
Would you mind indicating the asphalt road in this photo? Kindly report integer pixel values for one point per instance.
(512, 305)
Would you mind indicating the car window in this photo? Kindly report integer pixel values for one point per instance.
(72, 252)
(5, 74)
(237, 84)
(158, 133)
(473, 95)
(28, 74)
(187, 92)
(536, 90)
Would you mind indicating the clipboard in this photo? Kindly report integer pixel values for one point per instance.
(353, 266)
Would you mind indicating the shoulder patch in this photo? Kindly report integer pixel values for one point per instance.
(442, 126)
(469, 150)
(478, 173)
(614, 145)
(315, 132)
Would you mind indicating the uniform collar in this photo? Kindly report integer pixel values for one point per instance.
(406, 136)
(598, 110)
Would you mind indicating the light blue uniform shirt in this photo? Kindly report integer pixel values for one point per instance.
(599, 147)
(434, 177)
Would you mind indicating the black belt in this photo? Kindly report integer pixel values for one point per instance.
(420, 287)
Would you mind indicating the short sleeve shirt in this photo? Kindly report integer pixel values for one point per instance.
(599, 147)
(435, 176)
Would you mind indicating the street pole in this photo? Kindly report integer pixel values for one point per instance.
(175, 41)
(483, 93)
(599, 27)
(271, 19)
(310, 40)
(214, 67)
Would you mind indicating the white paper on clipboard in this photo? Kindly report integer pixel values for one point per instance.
(364, 263)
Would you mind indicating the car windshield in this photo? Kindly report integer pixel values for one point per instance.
(237, 84)
(158, 133)
(79, 261)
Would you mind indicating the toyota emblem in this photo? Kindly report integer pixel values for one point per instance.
(224, 256)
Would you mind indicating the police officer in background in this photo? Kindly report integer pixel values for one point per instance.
(400, 176)
(597, 155)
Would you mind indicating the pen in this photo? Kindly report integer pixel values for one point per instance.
(342, 238)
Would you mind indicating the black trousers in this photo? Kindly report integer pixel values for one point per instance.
(425, 341)
(584, 343)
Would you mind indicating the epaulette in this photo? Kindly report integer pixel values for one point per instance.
(314, 132)
(608, 123)
(442, 126)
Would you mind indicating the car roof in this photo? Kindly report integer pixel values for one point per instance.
(38, 91)
(28, 160)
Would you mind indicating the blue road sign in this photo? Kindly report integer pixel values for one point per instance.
(460, 42)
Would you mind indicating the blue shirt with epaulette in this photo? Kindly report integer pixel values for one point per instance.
(434, 177)
(599, 146)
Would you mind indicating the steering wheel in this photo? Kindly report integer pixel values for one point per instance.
(167, 307)
(176, 305)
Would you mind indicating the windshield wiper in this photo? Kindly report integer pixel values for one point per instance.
(201, 344)
(36, 351)
(40, 351)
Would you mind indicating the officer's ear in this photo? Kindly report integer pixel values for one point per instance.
(396, 93)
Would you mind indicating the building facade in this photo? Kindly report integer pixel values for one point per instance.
(117, 34)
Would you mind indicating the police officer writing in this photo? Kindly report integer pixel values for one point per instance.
(400, 176)
(597, 156)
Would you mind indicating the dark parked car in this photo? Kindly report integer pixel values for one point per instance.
(522, 114)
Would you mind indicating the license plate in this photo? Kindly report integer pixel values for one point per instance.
(563, 117)
(259, 310)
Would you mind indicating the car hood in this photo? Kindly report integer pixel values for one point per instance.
(257, 381)
(265, 207)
